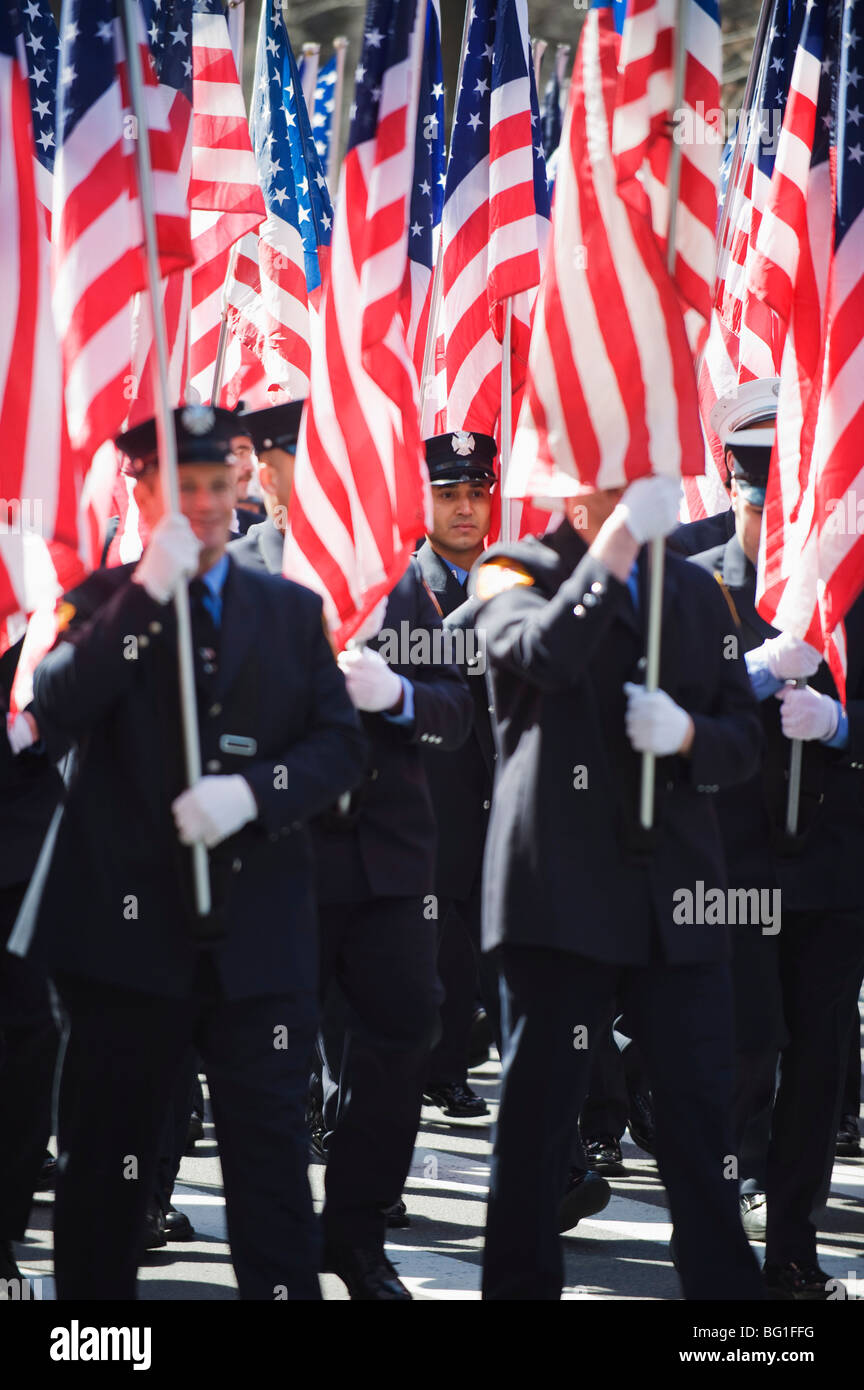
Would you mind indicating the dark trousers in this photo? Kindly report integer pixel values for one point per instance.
(821, 960)
(382, 955)
(463, 972)
(851, 1101)
(681, 1016)
(28, 1053)
(175, 1128)
(123, 1054)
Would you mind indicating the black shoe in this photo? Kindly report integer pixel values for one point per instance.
(366, 1273)
(641, 1122)
(456, 1100)
(587, 1193)
(154, 1230)
(47, 1174)
(8, 1265)
(754, 1214)
(177, 1226)
(194, 1132)
(604, 1156)
(800, 1281)
(848, 1138)
(397, 1216)
(480, 1040)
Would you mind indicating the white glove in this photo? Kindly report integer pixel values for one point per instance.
(213, 809)
(649, 507)
(790, 658)
(655, 724)
(371, 684)
(21, 731)
(171, 555)
(807, 714)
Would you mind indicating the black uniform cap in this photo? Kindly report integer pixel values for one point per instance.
(460, 457)
(274, 427)
(203, 434)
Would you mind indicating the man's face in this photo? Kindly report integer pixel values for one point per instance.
(241, 448)
(748, 523)
(276, 476)
(208, 494)
(461, 514)
(148, 499)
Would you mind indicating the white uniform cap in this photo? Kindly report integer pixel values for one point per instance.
(749, 404)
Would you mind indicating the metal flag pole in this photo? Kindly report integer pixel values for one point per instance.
(435, 302)
(506, 418)
(340, 47)
(310, 53)
(539, 47)
(236, 29)
(793, 799)
(657, 553)
(166, 438)
(222, 345)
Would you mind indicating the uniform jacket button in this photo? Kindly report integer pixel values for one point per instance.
(373, 775)
(214, 710)
(273, 837)
(589, 600)
(486, 805)
(236, 865)
(143, 640)
(598, 587)
(579, 611)
(214, 765)
(155, 627)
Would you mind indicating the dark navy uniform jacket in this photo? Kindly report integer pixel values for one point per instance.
(820, 867)
(460, 780)
(567, 863)
(117, 902)
(384, 844)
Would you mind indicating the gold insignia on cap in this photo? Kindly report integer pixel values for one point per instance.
(198, 419)
(499, 575)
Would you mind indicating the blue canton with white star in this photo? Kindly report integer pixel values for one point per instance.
(289, 167)
(42, 44)
(387, 34)
(427, 194)
(325, 105)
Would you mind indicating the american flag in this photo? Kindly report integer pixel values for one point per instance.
(611, 392)
(97, 228)
(427, 194)
(360, 480)
(226, 197)
(810, 270)
(550, 116)
(42, 44)
(745, 338)
(322, 113)
(279, 272)
(496, 215)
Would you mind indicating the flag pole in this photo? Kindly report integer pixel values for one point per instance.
(310, 55)
(539, 48)
(340, 46)
(435, 302)
(657, 552)
(166, 438)
(794, 795)
(222, 345)
(236, 27)
(506, 418)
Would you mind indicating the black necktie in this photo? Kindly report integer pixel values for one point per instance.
(205, 634)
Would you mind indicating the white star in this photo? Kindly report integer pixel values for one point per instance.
(850, 39)
(319, 119)
(538, 149)
(304, 185)
(359, 73)
(826, 66)
(376, 93)
(827, 122)
(70, 32)
(104, 32)
(303, 214)
(262, 83)
(442, 179)
(416, 229)
(179, 34)
(320, 179)
(320, 148)
(778, 64)
(425, 189)
(272, 46)
(429, 149)
(34, 41)
(481, 86)
(853, 115)
(187, 67)
(474, 121)
(279, 195)
(32, 10)
(153, 32)
(325, 221)
(488, 51)
(352, 110)
(856, 153)
(45, 139)
(853, 77)
(374, 38)
(274, 167)
(67, 76)
(438, 91)
(270, 138)
(38, 75)
(290, 117)
(330, 106)
(329, 78)
(42, 109)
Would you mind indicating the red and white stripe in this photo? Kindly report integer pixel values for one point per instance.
(360, 482)
(268, 306)
(611, 390)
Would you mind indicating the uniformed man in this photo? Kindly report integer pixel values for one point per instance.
(141, 975)
(579, 899)
(378, 913)
(249, 510)
(462, 474)
(796, 983)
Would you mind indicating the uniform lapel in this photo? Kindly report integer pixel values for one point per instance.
(440, 578)
(239, 627)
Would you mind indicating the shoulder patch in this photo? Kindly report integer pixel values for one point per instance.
(64, 613)
(499, 575)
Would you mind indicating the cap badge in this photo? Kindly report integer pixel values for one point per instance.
(463, 443)
(198, 419)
